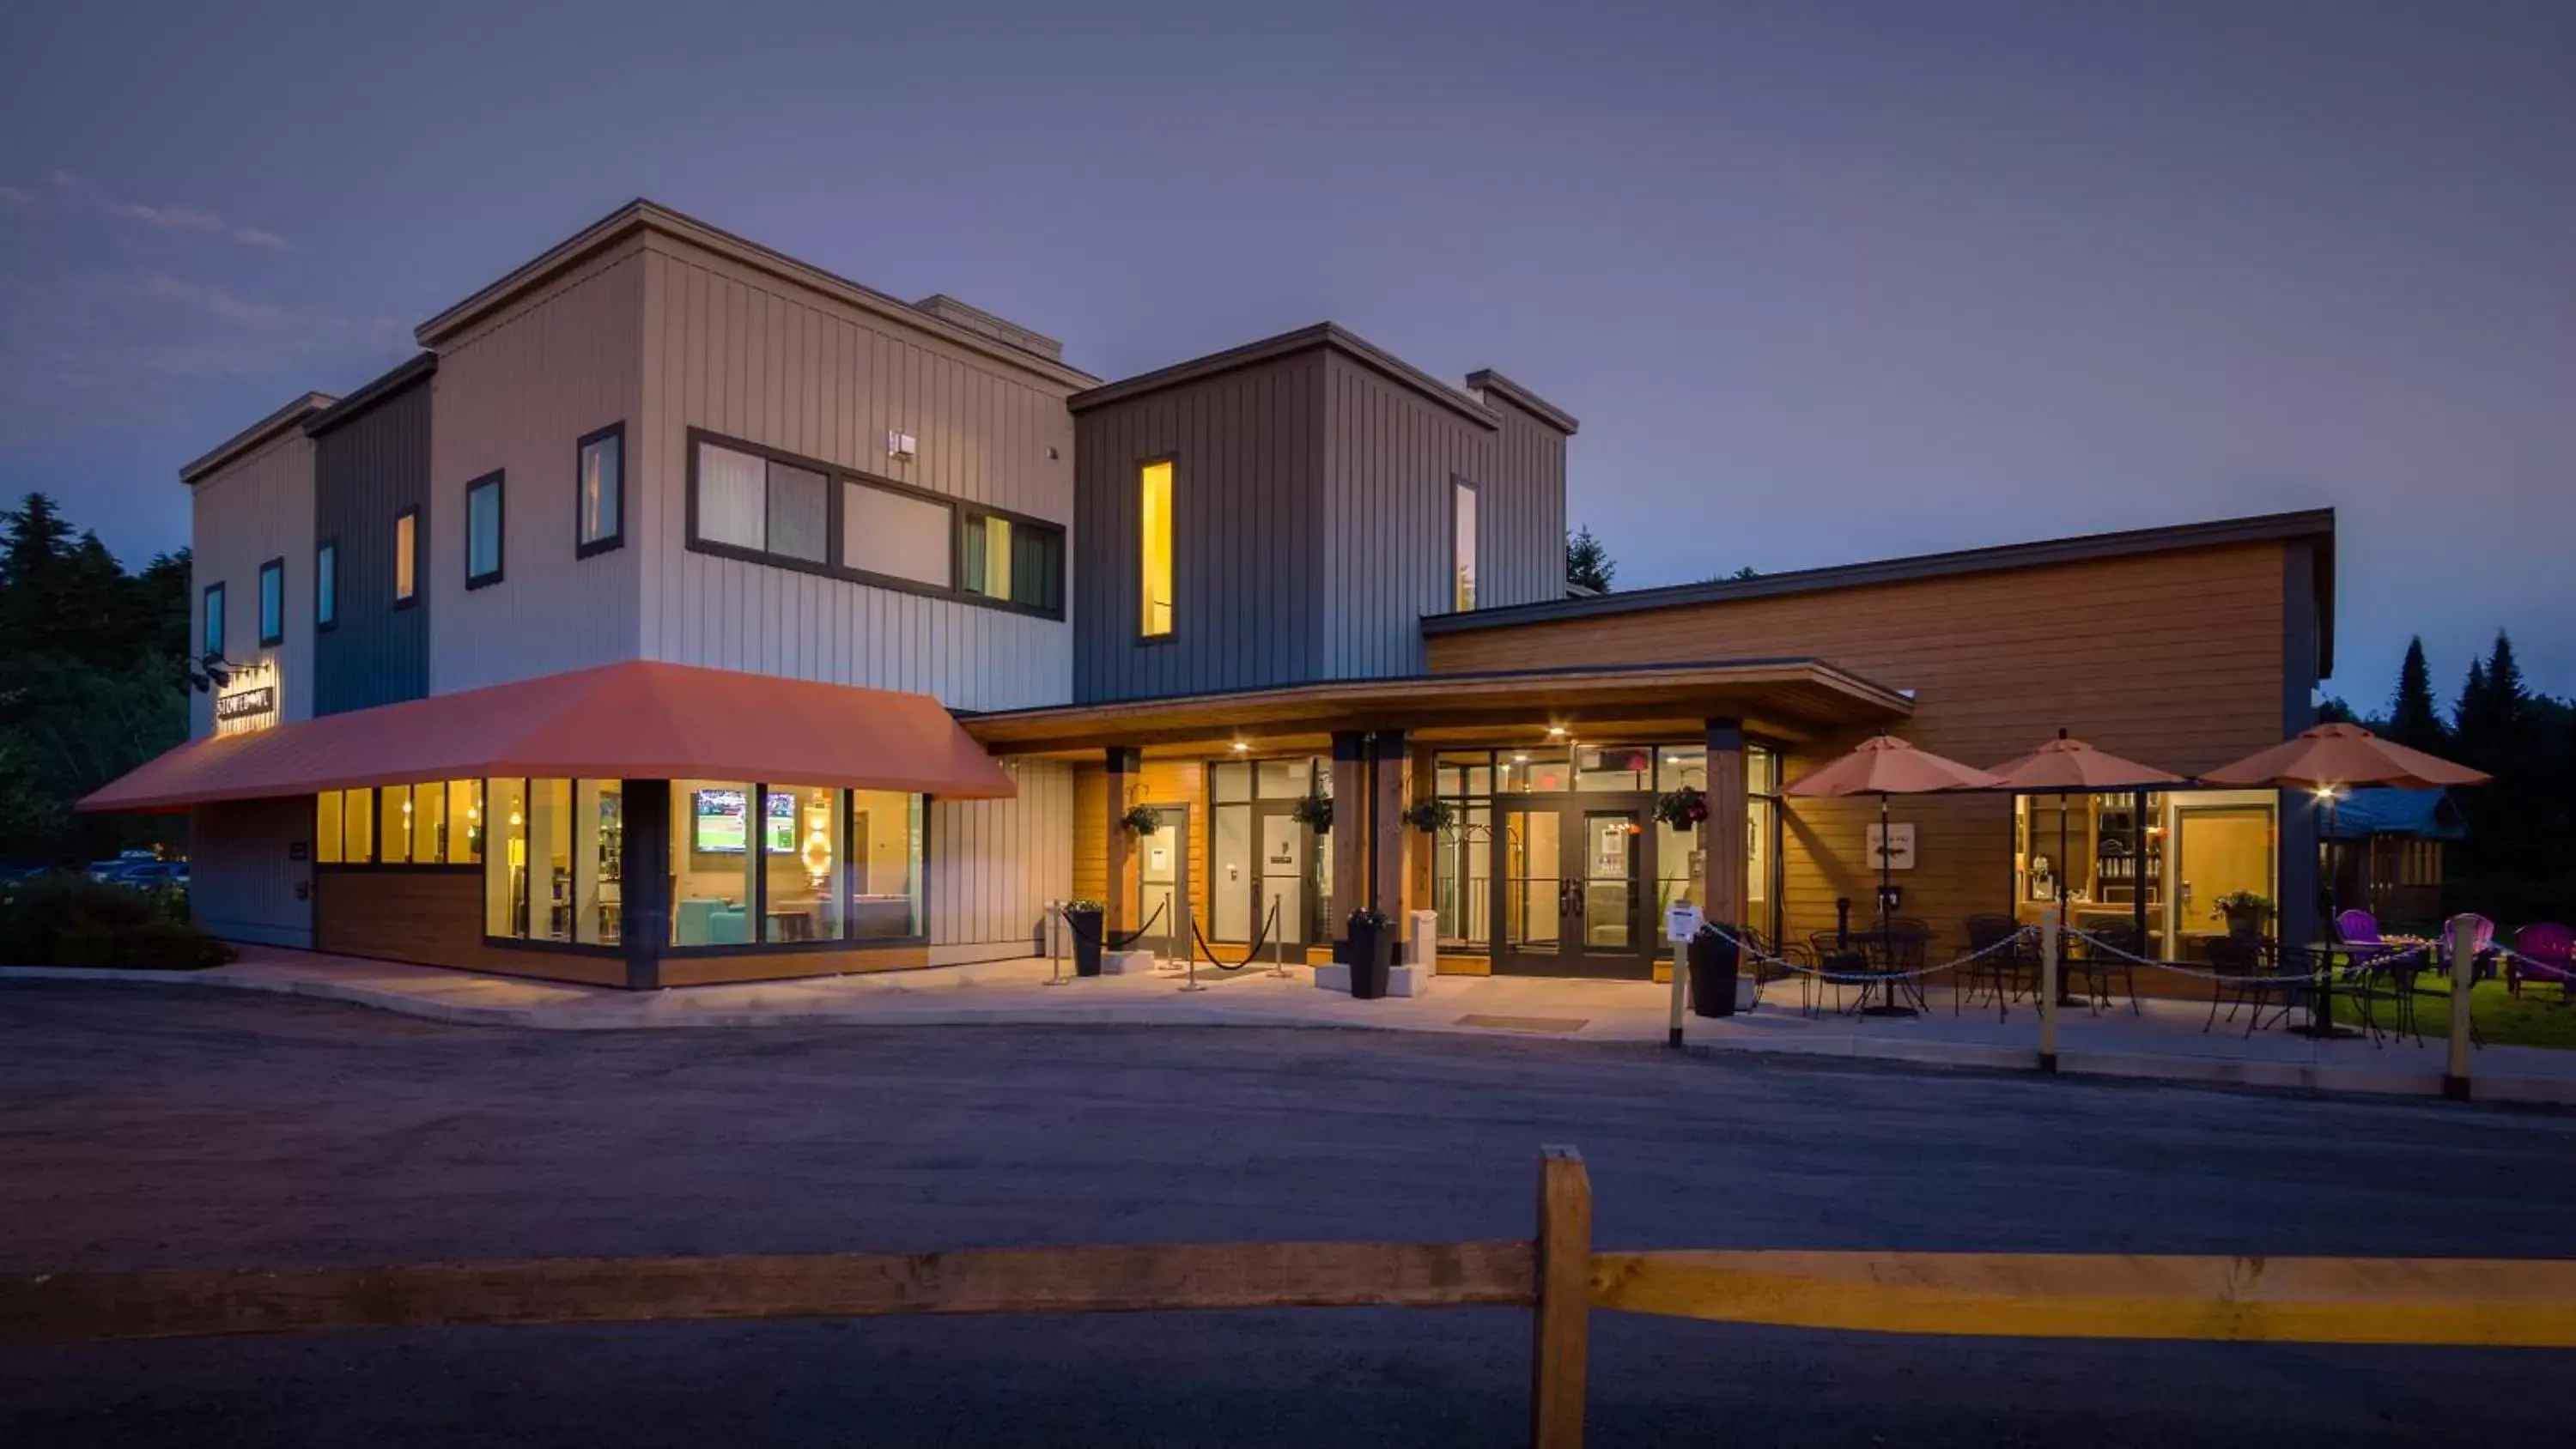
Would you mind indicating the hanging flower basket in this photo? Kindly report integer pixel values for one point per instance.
(1682, 809)
(1315, 812)
(1143, 820)
(1430, 816)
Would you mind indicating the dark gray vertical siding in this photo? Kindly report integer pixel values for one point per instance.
(1523, 522)
(1394, 454)
(368, 469)
(1246, 525)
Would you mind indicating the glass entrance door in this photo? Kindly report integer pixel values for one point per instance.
(1570, 874)
(1163, 880)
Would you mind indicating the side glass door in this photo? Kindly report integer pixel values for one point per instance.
(1608, 898)
(1283, 880)
(1534, 900)
(1162, 874)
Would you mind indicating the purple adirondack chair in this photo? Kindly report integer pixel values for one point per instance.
(2543, 952)
(2358, 928)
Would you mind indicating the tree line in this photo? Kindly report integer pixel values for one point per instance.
(93, 682)
(2517, 864)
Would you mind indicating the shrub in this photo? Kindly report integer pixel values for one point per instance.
(71, 920)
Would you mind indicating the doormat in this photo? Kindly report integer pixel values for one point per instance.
(1524, 1023)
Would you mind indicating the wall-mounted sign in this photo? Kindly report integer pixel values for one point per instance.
(245, 705)
(1898, 847)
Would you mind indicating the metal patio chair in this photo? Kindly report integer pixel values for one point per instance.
(2245, 971)
(2099, 966)
(2006, 974)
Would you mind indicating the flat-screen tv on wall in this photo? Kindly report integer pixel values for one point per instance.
(717, 825)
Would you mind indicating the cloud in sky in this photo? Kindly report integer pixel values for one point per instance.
(172, 216)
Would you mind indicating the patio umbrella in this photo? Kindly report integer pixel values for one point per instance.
(2066, 767)
(1884, 765)
(2329, 759)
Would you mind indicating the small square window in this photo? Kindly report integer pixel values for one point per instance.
(600, 500)
(483, 539)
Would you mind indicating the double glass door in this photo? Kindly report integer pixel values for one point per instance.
(1571, 900)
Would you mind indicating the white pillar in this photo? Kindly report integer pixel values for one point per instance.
(2464, 940)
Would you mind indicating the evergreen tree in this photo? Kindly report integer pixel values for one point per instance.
(1587, 563)
(2413, 719)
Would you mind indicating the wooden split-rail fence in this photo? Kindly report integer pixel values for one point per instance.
(1556, 1275)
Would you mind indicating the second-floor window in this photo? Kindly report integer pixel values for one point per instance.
(406, 556)
(483, 531)
(214, 620)
(751, 503)
(1154, 549)
(326, 584)
(272, 603)
(1462, 545)
(600, 502)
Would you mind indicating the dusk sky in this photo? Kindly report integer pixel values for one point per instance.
(1823, 282)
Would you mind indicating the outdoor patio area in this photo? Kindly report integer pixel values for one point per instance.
(2161, 1039)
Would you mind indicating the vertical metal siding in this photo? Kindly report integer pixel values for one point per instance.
(994, 864)
(242, 879)
(515, 395)
(739, 354)
(368, 470)
(1247, 523)
(255, 510)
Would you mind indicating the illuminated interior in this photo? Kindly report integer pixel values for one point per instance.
(1154, 601)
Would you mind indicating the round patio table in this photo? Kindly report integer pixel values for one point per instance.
(2321, 1023)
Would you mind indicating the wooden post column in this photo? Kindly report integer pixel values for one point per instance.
(1390, 771)
(1119, 904)
(1724, 833)
(1350, 831)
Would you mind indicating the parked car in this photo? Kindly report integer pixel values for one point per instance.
(104, 871)
(173, 873)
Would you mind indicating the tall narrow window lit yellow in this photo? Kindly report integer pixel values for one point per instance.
(1154, 590)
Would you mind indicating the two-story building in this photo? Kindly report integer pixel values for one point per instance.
(684, 613)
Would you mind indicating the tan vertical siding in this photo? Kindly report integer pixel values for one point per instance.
(249, 512)
(515, 394)
(1091, 832)
(741, 354)
(2174, 659)
(994, 864)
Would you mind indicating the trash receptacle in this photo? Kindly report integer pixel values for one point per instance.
(1714, 963)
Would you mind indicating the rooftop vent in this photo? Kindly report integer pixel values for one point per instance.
(984, 324)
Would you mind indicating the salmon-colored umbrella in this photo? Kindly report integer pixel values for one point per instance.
(2332, 756)
(1884, 765)
(2066, 767)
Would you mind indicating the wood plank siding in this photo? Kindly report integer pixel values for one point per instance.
(2176, 659)
(514, 395)
(369, 467)
(432, 916)
(744, 354)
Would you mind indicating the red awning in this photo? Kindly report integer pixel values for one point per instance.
(639, 721)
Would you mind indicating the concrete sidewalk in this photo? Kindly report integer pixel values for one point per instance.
(2164, 1042)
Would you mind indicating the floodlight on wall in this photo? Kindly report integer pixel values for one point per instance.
(901, 446)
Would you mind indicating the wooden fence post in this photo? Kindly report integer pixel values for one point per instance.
(1564, 1299)
(2464, 970)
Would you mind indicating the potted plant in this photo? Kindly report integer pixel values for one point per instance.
(2245, 912)
(1371, 949)
(1143, 820)
(1084, 919)
(1682, 809)
(1430, 816)
(1714, 965)
(1315, 812)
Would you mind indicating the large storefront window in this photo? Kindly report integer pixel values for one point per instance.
(553, 871)
(2164, 860)
(776, 864)
(1261, 858)
(438, 823)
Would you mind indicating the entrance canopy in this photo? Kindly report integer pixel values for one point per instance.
(636, 720)
(1782, 698)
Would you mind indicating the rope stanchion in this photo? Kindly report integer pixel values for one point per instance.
(1858, 977)
(1123, 942)
(1269, 922)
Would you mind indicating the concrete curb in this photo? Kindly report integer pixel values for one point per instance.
(662, 1011)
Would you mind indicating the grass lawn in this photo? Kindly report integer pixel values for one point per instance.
(2543, 1017)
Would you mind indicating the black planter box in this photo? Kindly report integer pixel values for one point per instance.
(1713, 966)
(1085, 926)
(1370, 952)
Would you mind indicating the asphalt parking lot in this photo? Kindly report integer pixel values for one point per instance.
(141, 1128)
